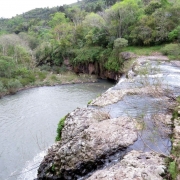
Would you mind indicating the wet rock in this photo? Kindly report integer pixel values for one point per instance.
(113, 96)
(88, 139)
(176, 63)
(127, 55)
(130, 75)
(134, 166)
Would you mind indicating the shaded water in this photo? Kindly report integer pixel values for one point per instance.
(28, 123)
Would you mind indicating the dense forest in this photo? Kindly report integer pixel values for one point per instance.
(87, 32)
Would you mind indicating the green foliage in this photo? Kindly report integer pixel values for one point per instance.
(151, 7)
(24, 75)
(86, 55)
(89, 31)
(7, 66)
(175, 34)
(120, 43)
(2, 88)
(171, 50)
(89, 102)
(60, 127)
(143, 50)
(173, 169)
(114, 62)
(58, 18)
(13, 85)
(41, 75)
(45, 67)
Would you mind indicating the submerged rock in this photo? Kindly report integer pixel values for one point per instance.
(88, 140)
(134, 166)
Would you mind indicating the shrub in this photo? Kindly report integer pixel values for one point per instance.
(41, 75)
(2, 88)
(21, 71)
(60, 127)
(120, 43)
(45, 67)
(13, 85)
(175, 34)
(53, 77)
(114, 62)
(7, 67)
(171, 49)
(173, 169)
(59, 69)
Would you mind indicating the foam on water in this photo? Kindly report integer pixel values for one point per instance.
(29, 172)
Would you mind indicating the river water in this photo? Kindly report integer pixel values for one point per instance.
(28, 123)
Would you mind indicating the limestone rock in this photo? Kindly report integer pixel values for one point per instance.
(113, 96)
(134, 166)
(127, 55)
(88, 139)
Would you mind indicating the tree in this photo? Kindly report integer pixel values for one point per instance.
(152, 6)
(121, 16)
(94, 20)
(58, 18)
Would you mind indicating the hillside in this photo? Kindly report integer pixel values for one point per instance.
(85, 37)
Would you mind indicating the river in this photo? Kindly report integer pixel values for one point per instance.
(28, 123)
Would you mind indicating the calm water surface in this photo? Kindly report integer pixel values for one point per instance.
(28, 123)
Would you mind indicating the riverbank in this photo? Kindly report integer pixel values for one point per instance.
(52, 79)
(130, 119)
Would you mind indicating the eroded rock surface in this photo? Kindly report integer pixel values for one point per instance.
(134, 166)
(113, 96)
(88, 139)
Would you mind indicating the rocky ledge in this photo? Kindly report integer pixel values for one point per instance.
(89, 139)
(134, 166)
(95, 146)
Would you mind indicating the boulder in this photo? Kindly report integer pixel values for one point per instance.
(127, 55)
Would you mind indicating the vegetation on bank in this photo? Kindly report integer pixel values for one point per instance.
(37, 45)
(173, 160)
(60, 127)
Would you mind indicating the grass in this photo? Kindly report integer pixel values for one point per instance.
(144, 50)
(60, 127)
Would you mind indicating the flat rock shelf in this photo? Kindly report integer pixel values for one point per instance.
(124, 133)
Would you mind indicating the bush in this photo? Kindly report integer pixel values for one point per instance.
(87, 54)
(60, 127)
(7, 67)
(175, 34)
(171, 50)
(13, 85)
(114, 62)
(120, 43)
(41, 75)
(2, 88)
(45, 67)
(173, 169)
(21, 71)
